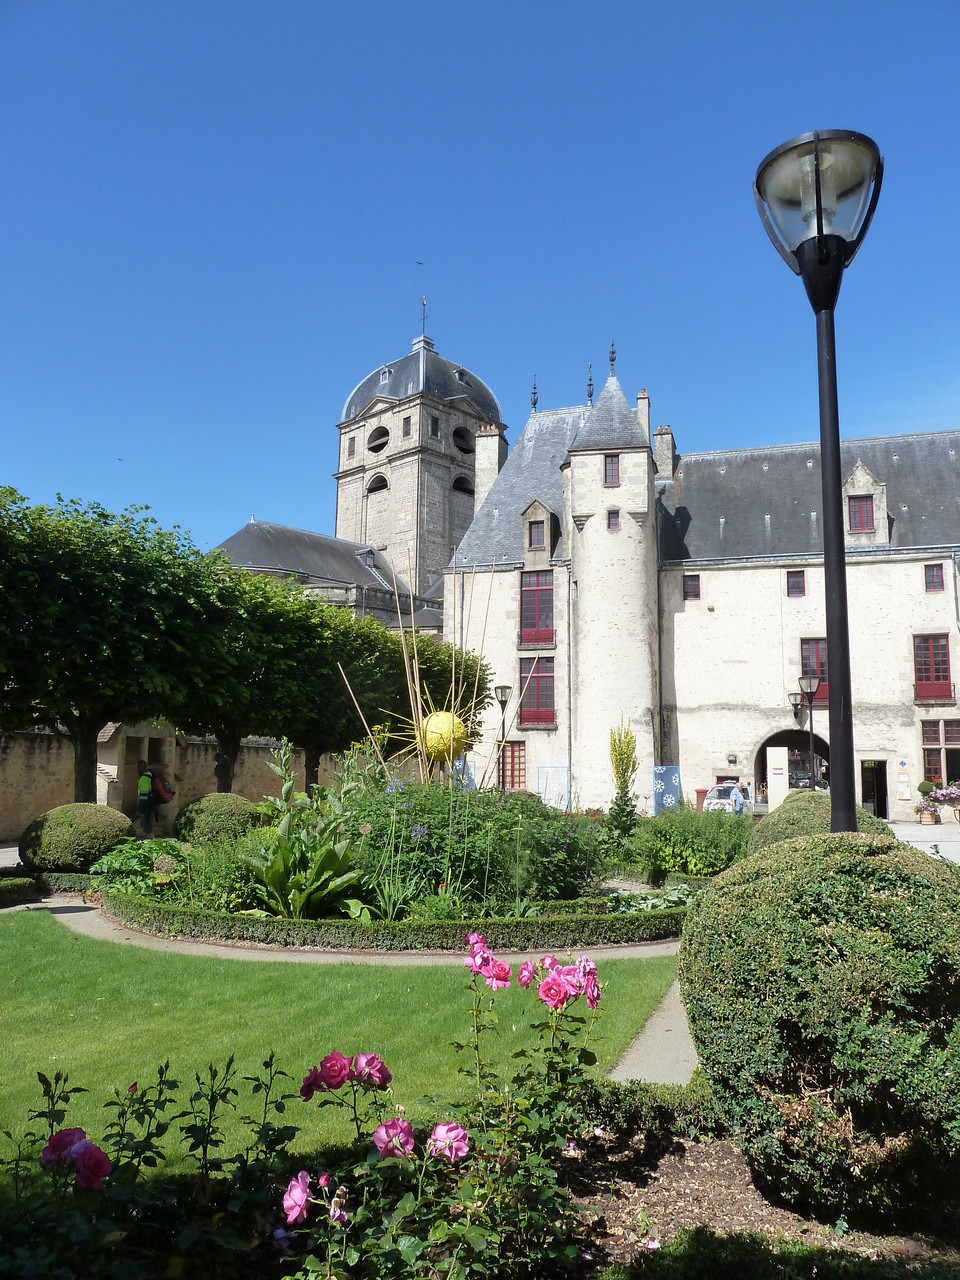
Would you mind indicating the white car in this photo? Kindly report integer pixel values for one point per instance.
(720, 797)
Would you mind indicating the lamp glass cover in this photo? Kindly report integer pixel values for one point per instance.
(502, 693)
(809, 684)
(787, 185)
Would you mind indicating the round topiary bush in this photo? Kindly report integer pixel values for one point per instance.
(806, 813)
(822, 985)
(218, 816)
(72, 837)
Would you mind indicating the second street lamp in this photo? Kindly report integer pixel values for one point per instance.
(502, 694)
(816, 196)
(808, 687)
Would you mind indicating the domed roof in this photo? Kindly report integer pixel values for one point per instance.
(423, 370)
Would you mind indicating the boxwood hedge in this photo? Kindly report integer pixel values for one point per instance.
(72, 837)
(805, 813)
(822, 984)
(216, 816)
(554, 932)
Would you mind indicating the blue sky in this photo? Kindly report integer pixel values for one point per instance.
(213, 215)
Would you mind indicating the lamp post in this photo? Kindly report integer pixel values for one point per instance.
(808, 687)
(502, 694)
(816, 196)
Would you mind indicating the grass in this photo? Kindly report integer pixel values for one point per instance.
(108, 1014)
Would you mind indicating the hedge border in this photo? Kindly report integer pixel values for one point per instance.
(17, 889)
(556, 932)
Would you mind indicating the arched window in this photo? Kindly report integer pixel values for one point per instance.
(463, 484)
(377, 483)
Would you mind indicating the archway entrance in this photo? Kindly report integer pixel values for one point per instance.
(797, 742)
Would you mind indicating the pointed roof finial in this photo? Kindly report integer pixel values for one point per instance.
(533, 394)
(613, 357)
(589, 384)
(423, 316)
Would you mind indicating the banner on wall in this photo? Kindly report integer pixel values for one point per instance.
(666, 787)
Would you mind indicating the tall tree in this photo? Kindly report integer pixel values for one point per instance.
(115, 625)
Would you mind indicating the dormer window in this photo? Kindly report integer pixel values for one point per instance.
(536, 535)
(611, 468)
(860, 510)
(385, 373)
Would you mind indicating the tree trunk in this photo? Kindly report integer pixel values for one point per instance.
(311, 765)
(83, 734)
(228, 748)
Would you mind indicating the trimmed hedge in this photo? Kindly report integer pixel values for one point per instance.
(806, 813)
(658, 1113)
(555, 932)
(72, 837)
(821, 982)
(217, 816)
(17, 889)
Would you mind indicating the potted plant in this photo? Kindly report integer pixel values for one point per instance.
(949, 795)
(928, 812)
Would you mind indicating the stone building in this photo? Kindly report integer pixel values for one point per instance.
(607, 574)
(407, 466)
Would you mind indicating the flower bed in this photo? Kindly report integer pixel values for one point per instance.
(559, 931)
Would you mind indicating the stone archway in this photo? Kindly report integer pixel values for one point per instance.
(797, 742)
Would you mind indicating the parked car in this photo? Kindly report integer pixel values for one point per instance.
(720, 797)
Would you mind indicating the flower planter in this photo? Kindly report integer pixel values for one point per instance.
(929, 819)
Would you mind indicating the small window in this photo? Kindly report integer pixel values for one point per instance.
(352, 447)
(691, 586)
(931, 668)
(406, 427)
(536, 691)
(951, 733)
(385, 373)
(613, 520)
(435, 428)
(796, 582)
(611, 468)
(514, 766)
(933, 577)
(861, 514)
(813, 662)
(536, 535)
(930, 733)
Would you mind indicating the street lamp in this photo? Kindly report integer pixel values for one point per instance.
(808, 687)
(816, 196)
(795, 699)
(502, 694)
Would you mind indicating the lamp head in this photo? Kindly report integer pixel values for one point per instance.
(502, 694)
(795, 699)
(821, 185)
(809, 686)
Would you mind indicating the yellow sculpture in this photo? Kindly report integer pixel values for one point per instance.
(444, 736)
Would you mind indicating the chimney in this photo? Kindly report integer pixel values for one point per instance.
(643, 413)
(491, 446)
(664, 452)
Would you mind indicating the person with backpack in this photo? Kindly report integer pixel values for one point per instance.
(146, 799)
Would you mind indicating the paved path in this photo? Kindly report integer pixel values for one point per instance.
(663, 1052)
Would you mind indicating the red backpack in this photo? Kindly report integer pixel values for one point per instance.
(162, 790)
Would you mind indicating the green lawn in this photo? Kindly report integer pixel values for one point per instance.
(108, 1014)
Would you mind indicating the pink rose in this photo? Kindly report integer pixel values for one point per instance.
(478, 959)
(338, 1207)
(497, 974)
(475, 939)
(587, 967)
(395, 1138)
(527, 973)
(334, 1070)
(323, 1180)
(296, 1197)
(591, 989)
(549, 962)
(553, 991)
(370, 1070)
(62, 1145)
(312, 1083)
(92, 1165)
(132, 1088)
(571, 976)
(449, 1142)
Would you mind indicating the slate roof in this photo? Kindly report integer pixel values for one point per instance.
(744, 503)
(423, 370)
(610, 424)
(314, 557)
(531, 471)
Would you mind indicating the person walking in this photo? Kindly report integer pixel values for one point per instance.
(736, 795)
(146, 800)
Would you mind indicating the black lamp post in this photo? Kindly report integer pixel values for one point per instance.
(808, 687)
(816, 196)
(502, 694)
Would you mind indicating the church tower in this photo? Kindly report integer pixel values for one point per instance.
(611, 536)
(406, 478)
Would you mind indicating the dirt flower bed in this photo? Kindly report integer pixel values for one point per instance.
(628, 1204)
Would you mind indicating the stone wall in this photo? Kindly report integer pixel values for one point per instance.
(36, 774)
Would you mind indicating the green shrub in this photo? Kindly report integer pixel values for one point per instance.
(688, 843)
(217, 874)
(72, 837)
(220, 815)
(479, 845)
(821, 981)
(659, 1114)
(806, 813)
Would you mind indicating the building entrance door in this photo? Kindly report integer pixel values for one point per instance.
(873, 786)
